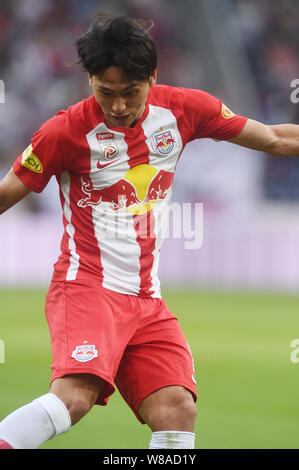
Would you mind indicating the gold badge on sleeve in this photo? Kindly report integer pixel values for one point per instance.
(31, 161)
(226, 113)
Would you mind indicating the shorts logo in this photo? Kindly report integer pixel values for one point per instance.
(85, 353)
(30, 161)
(164, 142)
(226, 113)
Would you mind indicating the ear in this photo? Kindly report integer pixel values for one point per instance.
(153, 78)
(90, 80)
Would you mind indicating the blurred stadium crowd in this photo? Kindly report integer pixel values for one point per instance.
(269, 29)
(37, 41)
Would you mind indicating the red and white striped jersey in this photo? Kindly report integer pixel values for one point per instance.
(115, 183)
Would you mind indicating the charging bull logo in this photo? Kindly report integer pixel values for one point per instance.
(140, 189)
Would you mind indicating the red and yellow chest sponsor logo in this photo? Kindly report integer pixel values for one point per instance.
(138, 191)
(31, 161)
(226, 112)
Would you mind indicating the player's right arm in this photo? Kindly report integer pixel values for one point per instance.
(35, 166)
(12, 190)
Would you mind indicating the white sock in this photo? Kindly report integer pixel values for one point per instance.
(172, 440)
(31, 425)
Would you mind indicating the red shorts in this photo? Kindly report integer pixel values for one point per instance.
(131, 342)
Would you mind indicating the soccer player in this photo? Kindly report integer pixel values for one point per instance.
(114, 155)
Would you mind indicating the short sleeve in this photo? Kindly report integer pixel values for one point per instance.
(209, 117)
(43, 158)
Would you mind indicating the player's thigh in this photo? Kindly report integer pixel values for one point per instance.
(90, 327)
(73, 387)
(79, 392)
(158, 356)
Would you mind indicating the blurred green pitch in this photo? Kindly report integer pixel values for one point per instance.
(247, 384)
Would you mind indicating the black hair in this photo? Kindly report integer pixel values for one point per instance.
(120, 42)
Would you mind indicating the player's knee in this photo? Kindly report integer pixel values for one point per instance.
(178, 414)
(181, 412)
(78, 405)
(78, 392)
(174, 410)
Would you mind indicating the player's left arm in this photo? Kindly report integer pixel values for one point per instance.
(281, 140)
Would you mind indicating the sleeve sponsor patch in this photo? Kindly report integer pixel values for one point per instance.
(226, 113)
(31, 161)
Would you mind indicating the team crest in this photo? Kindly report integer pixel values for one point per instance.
(164, 142)
(85, 353)
(107, 144)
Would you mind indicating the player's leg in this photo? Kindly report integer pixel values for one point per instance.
(84, 348)
(34, 423)
(69, 399)
(162, 389)
(79, 392)
(170, 412)
(169, 408)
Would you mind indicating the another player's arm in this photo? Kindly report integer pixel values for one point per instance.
(281, 140)
(12, 190)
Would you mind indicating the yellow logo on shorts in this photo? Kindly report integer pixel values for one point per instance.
(226, 113)
(30, 161)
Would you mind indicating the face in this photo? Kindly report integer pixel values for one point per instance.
(122, 101)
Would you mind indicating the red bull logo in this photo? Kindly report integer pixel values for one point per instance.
(164, 142)
(85, 353)
(140, 189)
